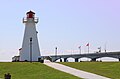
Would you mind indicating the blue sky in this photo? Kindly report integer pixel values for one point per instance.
(66, 24)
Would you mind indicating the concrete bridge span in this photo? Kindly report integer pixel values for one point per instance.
(92, 56)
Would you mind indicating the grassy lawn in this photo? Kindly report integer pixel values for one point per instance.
(22, 70)
(108, 69)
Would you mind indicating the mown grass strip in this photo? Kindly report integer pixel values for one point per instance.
(26, 70)
(107, 69)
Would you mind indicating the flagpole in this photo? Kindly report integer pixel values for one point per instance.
(79, 49)
(88, 49)
(105, 47)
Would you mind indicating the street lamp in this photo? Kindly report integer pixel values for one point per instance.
(31, 49)
(56, 51)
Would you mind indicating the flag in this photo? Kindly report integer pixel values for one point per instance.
(99, 47)
(79, 47)
(87, 44)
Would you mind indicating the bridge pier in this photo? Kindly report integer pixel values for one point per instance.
(119, 59)
(65, 59)
(76, 59)
(60, 60)
(93, 59)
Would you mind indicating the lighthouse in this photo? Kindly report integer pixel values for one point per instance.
(30, 47)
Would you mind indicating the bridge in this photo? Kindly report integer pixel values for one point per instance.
(92, 56)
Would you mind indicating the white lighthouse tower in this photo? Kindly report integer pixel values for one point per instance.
(30, 47)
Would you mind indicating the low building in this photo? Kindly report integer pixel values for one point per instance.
(15, 58)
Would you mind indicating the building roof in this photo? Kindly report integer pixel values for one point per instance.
(30, 12)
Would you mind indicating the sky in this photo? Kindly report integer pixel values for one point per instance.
(66, 24)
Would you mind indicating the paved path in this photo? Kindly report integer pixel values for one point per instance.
(75, 72)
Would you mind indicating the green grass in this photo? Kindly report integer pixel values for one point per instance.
(108, 69)
(26, 70)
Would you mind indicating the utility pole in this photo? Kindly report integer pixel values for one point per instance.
(31, 49)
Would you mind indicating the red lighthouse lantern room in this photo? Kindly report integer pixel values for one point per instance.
(30, 14)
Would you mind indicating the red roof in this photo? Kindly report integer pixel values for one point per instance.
(30, 12)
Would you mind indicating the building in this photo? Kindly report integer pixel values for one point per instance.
(15, 58)
(30, 47)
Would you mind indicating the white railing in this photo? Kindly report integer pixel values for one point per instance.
(25, 20)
